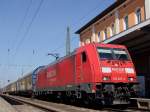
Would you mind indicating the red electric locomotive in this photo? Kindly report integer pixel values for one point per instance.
(94, 72)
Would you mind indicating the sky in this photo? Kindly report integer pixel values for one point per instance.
(30, 29)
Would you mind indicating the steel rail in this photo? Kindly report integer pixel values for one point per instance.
(47, 107)
(40, 106)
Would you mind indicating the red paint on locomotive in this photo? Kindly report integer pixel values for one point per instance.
(85, 66)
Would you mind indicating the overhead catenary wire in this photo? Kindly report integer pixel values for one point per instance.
(22, 23)
(61, 45)
(18, 31)
(27, 30)
(28, 27)
(33, 19)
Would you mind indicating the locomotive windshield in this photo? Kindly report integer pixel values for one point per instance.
(105, 53)
(112, 53)
(121, 54)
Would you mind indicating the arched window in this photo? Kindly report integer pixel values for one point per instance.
(110, 31)
(99, 35)
(126, 24)
(113, 29)
(87, 41)
(138, 16)
(105, 33)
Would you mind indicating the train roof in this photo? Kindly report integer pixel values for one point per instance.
(102, 45)
(83, 47)
(26, 75)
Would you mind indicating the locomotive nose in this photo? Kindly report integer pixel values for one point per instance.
(118, 71)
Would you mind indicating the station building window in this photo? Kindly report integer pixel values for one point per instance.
(105, 33)
(99, 35)
(110, 31)
(126, 24)
(113, 29)
(88, 40)
(138, 16)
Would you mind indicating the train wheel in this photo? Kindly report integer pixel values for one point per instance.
(88, 99)
(72, 99)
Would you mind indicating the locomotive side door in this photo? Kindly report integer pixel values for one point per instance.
(78, 68)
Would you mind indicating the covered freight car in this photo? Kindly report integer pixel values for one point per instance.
(10, 88)
(24, 85)
(13, 88)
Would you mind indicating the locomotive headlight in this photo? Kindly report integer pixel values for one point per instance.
(106, 69)
(106, 78)
(130, 79)
(129, 70)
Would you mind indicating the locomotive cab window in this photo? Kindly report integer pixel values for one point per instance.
(105, 53)
(113, 54)
(84, 58)
(121, 54)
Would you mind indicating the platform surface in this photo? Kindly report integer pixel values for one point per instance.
(142, 103)
(5, 106)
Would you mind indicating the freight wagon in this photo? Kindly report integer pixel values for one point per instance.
(24, 85)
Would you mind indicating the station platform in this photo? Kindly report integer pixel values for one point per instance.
(5, 106)
(142, 103)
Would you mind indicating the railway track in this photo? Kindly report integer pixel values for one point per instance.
(58, 107)
(48, 106)
(8, 104)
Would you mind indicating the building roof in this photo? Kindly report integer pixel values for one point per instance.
(102, 14)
